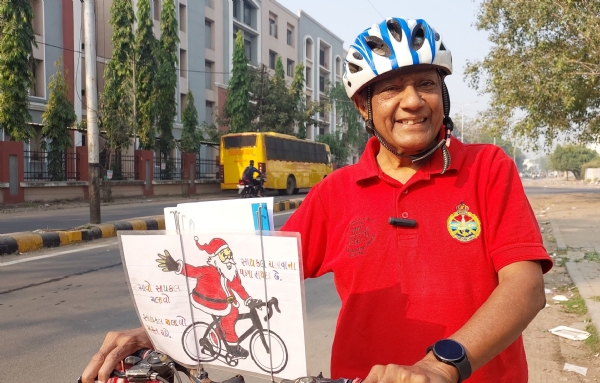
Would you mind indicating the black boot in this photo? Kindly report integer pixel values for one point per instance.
(239, 352)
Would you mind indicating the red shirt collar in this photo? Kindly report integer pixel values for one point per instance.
(368, 167)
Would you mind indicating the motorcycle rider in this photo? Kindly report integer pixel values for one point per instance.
(248, 175)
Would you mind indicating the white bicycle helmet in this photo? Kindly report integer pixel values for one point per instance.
(392, 44)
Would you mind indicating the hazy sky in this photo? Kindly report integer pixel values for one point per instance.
(453, 19)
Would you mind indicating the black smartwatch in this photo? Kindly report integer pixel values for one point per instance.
(451, 352)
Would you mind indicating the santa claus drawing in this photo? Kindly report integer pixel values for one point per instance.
(215, 287)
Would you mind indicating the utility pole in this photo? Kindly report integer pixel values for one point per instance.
(260, 100)
(91, 94)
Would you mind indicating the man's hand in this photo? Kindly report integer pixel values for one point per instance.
(427, 369)
(166, 262)
(116, 347)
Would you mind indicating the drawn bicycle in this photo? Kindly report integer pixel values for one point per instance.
(266, 347)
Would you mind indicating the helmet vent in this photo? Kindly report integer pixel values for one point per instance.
(357, 55)
(395, 29)
(353, 68)
(378, 46)
(418, 38)
(442, 47)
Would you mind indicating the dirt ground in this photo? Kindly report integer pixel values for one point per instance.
(548, 353)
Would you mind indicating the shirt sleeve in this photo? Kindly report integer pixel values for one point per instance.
(513, 231)
(310, 220)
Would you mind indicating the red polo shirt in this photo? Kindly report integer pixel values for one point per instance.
(403, 288)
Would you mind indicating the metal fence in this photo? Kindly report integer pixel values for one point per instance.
(206, 169)
(166, 168)
(121, 165)
(37, 166)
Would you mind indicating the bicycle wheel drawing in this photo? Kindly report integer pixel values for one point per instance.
(278, 355)
(208, 347)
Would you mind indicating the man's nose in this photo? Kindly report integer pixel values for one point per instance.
(411, 99)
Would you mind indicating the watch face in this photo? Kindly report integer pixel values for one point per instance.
(448, 349)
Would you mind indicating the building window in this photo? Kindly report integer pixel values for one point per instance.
(208, 74)
(38, 18)
(248, 49)
(182, 18)
(38, 89)
(309, 49)
(272, 59)
(290, 68)
(183, 63)
(208, 34)
(209, 112)
(236, 7)
(322, 57)
(273, 27)
(322, 83)
(247, 14)
(290, 37)
(156, 6)
(182, 102)
(308, 78)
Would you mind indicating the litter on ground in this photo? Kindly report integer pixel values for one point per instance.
(570, 333)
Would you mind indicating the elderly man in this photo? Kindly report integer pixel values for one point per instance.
(436, 253)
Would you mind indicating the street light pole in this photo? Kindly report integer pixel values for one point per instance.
(462, 119)
(91, 96)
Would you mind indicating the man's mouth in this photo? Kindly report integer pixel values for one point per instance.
(412, 122)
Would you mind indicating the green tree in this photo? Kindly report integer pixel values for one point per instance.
(238, 113)
(277, 104)
(57, 118)
(339, 151)
(543, 68)
(353, 131)
(116, 104)
(166, 82)
(145, 74)
(16, 61)
(304, 111)
(190, 136)
(571, 158)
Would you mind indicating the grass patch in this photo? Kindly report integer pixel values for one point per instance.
(576, 304)
(561, 261)
(551, 239)
(592, 256)
(595, 298)
(592, 342)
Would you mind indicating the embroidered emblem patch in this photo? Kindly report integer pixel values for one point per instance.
(462, 225)
(359, 236)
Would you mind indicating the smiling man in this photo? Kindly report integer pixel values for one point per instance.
(435, 285)
(436, 253)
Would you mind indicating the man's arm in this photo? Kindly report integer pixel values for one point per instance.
(494, 326)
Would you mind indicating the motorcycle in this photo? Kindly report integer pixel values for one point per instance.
(247, 190)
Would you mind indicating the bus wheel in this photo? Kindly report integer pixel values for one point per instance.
(290, 185)
(296, 190)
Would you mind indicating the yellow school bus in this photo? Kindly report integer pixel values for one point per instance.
(290, 163)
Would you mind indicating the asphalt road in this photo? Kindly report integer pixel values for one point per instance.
(78, 214)
(57, 310)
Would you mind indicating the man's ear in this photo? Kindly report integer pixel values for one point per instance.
(360, 103)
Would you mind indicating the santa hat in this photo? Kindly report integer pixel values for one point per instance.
(214, 247)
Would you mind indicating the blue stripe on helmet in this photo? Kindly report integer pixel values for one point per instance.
(361, 46)
(385, 36)
(408, 34)
(430, 35)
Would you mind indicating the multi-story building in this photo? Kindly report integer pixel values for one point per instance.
(207, 32)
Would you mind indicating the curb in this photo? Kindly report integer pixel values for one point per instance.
(560, 242)
(30, 241)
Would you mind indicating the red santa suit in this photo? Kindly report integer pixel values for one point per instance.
(213, 293)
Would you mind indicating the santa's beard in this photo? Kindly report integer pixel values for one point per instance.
(228, 272)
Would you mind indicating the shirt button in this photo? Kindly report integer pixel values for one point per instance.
(404, 215)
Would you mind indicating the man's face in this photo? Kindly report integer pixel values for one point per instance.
(407, 109)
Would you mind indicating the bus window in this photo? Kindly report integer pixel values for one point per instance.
(239, 141)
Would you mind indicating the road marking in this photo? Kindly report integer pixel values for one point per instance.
(28, 259)
(91, 247)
